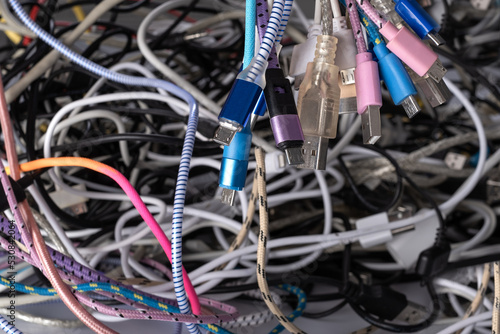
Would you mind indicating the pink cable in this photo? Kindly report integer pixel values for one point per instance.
(356, 26)
(372, 13)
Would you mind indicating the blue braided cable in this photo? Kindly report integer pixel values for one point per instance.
(112, 288)
(287, 10)
(273, 26)
(301, 305)
(373, 34)
(187, 149)
(7, 327)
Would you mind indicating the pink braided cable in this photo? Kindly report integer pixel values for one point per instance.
(145, 312)
(356, 26)
(372, 13)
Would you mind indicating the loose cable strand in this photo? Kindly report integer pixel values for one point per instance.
(356, 26)
(261, 248)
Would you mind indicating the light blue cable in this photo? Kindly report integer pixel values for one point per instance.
(8, 328)
(250, 21)
(187, 149)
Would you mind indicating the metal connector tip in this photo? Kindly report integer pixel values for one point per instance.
(224, 135)
(228, 196)
(436, 93)
(348, 105)
(411, 106)
(347, 76)
(294, 156)
(314, 152)
(436, 38)
(437, 71)
(370, 125)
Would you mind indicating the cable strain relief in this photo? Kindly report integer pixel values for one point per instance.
(326, 49)
(290, 144)
(314, 31)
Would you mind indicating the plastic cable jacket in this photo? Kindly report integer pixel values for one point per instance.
(356, 26)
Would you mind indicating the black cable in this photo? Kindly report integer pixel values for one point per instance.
(369, 206)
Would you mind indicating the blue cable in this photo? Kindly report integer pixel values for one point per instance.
(7, 327)
(301, 305)
(250, 21)
(187, 148)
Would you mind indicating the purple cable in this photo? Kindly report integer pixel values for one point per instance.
(262, 20)
(356, 26)
(72, 271)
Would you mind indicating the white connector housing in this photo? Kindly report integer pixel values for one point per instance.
(406, 248)
(377, 238)
(346, 50)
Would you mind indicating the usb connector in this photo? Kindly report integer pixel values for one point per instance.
(314, 152)
(370, 125)
(419, 20)
(240, 103)
(412, 51)
(411, 106)
(397, 80)
(294, 156)
(437, 71)
(225, 132)
(436, 93)
(228, 196)
(347, 76)
(318, 103)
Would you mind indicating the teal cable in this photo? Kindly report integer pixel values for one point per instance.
(250, 21)
(112, 288)
(301, 305)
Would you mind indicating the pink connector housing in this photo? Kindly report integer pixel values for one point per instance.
(367, 82)
(409, 48)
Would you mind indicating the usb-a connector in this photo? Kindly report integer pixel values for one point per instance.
(314, 152)
(370, 125)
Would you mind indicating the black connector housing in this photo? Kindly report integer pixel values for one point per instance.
(278, 93)
(381, 301)
(433, 260)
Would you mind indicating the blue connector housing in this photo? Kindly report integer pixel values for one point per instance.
(233, 170)
(241, 102)
(394, 74)
(261, 107)
(417, 18)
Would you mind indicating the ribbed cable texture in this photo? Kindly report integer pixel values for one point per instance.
(326, 17)
(262, 19)
(287, 10)
(187, 149)
(261, 247)
(8, 328)
(267, 41)
(250, 20)
(356, 26)
(372, 13)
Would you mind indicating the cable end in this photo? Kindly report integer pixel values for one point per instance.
(294, 156)
(228, 196)
(411, 106)
(347, 76)
(314, 152)
(436, 38)
(437, 71)
(370, 125)
(224, 135)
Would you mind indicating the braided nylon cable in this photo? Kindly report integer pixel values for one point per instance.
(356, 26)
